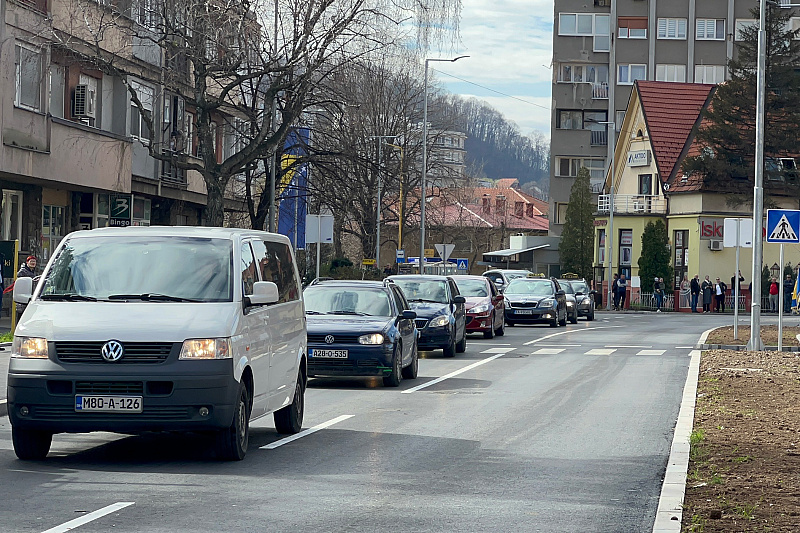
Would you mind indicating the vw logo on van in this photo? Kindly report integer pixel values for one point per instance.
(112, 351)
(329, 339)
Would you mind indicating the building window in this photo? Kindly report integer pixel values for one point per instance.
(645, 184)
(570, 120)
(632, 27)
(145, 13)
(681, 259)
(586, 25)
(597, 168)
(146, 95)
(11, 215)
(675, 73)
(568, 166)
(627, 74)
(52, 229)
(28, 72)
(712, 74)
(742, 27)
(571, 73)
(561, 212)
(710, 30)
(671, 28)
(620, 118)
(56, 90)
(602, 33)
(601, 247)
(141, 212)
(625, 247)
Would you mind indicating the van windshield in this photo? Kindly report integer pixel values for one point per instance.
(169, 267)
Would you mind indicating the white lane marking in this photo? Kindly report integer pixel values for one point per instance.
(627, 346)
(561, 345)
(684, 347)
(548, 351)
(451, 374)
(2, 401)
(600, 351)
(651, 352)
(306, 432)
(496, 343)
(498, 350)
(85, 519)
(534, 341)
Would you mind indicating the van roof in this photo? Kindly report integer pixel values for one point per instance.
(178, 231)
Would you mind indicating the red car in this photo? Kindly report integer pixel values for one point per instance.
(485, 305)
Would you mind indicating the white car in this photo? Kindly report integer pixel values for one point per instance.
(159, 329)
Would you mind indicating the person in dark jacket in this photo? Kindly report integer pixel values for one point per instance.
(788, 289)
(27, 270)
(708, 288)
(694, 288)
(719, 295)
(615, 292)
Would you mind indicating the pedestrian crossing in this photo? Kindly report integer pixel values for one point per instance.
(599, 351)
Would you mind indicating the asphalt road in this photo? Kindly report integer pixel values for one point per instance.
(545, 429)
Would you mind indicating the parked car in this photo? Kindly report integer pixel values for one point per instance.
(360, 328)
(501, 278)
(484, 306)
(144, 329)
(584, 297)
(530, 300)
(441, 317)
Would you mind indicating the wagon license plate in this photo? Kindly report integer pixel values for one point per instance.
(524, 312)
(108, 404)
(330, 354)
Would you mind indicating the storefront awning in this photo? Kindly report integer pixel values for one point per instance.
(512, 251)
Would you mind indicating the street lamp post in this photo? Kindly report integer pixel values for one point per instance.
(378, 216)
(610, 232)
(425, 159)
(401, 206)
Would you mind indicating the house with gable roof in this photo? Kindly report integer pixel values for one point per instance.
(648, 183)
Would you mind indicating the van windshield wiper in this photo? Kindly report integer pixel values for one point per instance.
(70, 297)
(311, 312)
(347, 313)
(424, 301)
(150, 296)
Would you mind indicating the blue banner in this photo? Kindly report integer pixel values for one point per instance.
(293, 187)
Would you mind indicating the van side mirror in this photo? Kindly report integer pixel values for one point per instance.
(23, 288)
(264, 292)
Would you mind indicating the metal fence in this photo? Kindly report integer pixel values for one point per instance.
(646, 301)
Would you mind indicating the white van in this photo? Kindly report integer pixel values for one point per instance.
(159, 329)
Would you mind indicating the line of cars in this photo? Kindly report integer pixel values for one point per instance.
(372, 328)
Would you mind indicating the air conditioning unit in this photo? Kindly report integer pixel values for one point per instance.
(83, 102)
(715, 245)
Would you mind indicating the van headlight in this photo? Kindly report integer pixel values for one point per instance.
(439, 321)
(33, 347)
(194, 349)
(372, 338)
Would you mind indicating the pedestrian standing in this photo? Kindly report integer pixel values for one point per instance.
(774, 292)
(615, 292)
(658, 292)
(719, 294)
(622, 287)
(788, 288)
(707, 287)
(27, 270)
(736, 286)
(684, 294)
(694, 288)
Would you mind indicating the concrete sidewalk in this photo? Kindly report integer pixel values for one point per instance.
(5, 356)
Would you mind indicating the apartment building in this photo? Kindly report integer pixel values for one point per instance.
(601, 47)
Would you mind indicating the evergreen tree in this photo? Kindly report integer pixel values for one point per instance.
(728, 130)
(577, 239)
(655, 257)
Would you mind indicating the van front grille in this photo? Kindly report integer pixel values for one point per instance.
(133, 352)
(109, 387)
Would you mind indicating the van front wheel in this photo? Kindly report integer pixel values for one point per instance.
(290, 418)
(31, 444)
(232, 441)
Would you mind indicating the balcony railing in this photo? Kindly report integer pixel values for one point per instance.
(630, 203)
(599, 138)
(599, 91)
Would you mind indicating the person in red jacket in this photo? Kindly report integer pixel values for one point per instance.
(774, 290)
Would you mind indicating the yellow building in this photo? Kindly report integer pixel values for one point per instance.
(648, 184)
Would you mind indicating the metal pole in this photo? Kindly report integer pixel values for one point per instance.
(274, 108)
(378, 217)
(780, 304)
(758, 192)
(319, 239)
(610, 236)
(424, 170)
(735, 288)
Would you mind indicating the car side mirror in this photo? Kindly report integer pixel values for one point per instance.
(459, 300)
(593, 292)
(23, 288)
(579, 293)
(264, 292)
(408, 314)
(560, 293)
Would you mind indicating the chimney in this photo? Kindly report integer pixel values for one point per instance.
(486, 207)
(500, 204)
(529, 210)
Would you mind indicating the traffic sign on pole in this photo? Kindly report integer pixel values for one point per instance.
(444, 250)
(783, 226)
(462, 264)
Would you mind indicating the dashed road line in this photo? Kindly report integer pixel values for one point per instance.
(498, 350)
(548, 351)
(306, 432)
(627, 346)
(601, 351)
(85, 519)
(457, 372)
(651, 352)
(562, 345)
(534, 341)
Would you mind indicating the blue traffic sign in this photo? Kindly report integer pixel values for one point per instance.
(462, 264)
(783, 225)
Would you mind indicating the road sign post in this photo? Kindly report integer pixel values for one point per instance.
(444, 251)
(742, 230)
(462, 264)
(783, 226)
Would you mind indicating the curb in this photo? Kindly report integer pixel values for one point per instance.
(741, 347)
(670, 503)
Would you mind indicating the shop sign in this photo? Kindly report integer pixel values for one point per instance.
(639, 158)
(120, 206)
(711, 228)
(601, 223)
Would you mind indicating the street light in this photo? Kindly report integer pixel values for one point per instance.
(378, 216)
(610, 232)
(425, 159)
(401, 206)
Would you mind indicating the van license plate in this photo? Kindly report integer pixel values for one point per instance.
(331, 354)
(108, 404)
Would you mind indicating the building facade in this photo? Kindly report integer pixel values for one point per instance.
(601, 47)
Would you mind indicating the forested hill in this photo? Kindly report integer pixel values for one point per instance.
(495, 146)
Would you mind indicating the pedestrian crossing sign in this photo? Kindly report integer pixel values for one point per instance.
(783, 225)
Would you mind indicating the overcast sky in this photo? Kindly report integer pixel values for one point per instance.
(510, 44)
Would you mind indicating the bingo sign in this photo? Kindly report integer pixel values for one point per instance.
(120, 210)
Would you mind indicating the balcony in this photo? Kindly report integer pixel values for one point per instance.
(599, 138)
(599, 91)
(633, 204)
